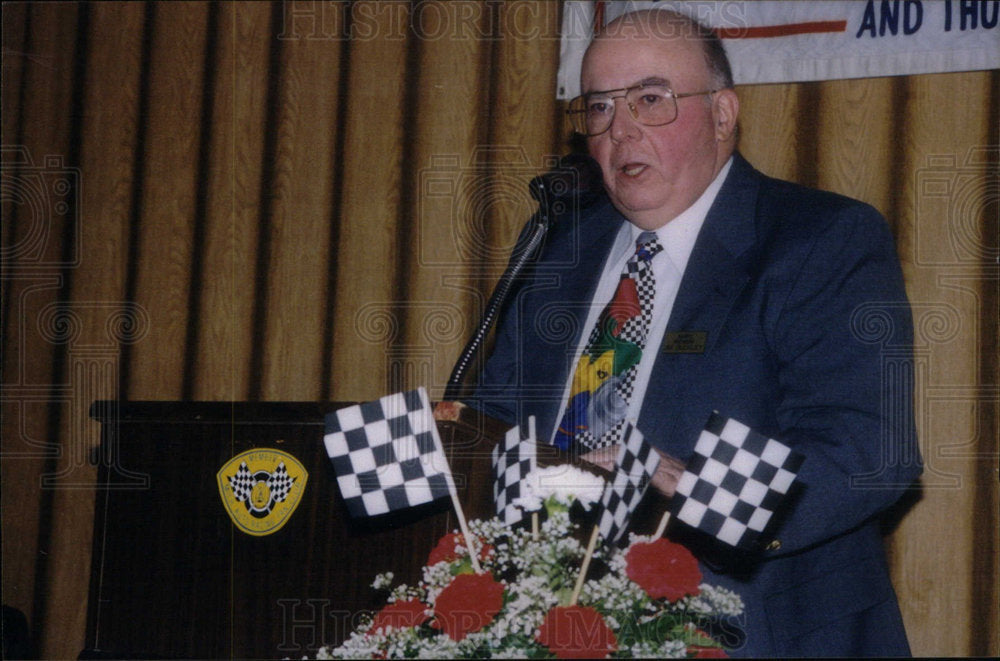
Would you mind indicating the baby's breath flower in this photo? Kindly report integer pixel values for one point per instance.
(383, 581)
(714, 599)
(539, 571)
(435, 578)
(651, 649)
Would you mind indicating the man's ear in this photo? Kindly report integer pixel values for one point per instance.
(725, 111)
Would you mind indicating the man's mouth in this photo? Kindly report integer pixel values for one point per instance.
(633, 169)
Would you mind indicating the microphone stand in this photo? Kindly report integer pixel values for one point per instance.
(547, 189)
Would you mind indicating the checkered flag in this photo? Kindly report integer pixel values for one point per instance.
(634, 468)
(387, 454)
(280, 483)
(242, 483)
(513, 459)
(734, 482)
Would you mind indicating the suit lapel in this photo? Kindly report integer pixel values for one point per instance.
(716, 274)
(578, 281)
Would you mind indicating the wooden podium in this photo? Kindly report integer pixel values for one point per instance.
(172, 576)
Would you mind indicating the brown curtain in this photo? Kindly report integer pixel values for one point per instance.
(311, 201)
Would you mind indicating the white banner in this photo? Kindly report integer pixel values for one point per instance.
(780, 41)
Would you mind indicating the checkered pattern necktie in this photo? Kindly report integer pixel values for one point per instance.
(602, 383)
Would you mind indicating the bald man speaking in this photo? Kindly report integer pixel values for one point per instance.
(769, 284)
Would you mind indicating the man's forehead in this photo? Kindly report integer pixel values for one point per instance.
(615, 62)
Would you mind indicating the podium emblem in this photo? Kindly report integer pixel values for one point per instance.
(261, 488)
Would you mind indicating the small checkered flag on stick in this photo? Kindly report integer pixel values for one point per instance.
(634, 468)
(513, 459)
(734, 482)
(388, 456)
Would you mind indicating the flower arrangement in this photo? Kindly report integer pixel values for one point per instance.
(644, 601)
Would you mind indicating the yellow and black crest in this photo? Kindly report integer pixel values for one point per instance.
(261, 488)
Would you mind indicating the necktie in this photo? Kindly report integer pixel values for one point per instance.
(602, 383)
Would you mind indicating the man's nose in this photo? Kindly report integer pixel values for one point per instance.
(623, 123)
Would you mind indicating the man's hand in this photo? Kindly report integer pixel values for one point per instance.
(665, 479)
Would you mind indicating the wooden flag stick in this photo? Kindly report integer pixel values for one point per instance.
(534, 450)
(466, 535)
(662, 528)
(584, 567)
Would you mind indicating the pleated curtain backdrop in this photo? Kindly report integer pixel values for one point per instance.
(312, 201)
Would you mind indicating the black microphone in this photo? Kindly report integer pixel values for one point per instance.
(577, 177)
(574, 184)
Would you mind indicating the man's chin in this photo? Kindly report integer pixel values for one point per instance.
(641, 212)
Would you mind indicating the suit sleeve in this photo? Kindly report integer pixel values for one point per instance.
(843, 345)
(496, 391)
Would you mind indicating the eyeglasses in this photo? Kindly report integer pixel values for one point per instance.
(651, 104)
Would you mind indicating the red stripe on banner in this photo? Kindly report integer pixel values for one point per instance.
(767, 31)
(598, 15)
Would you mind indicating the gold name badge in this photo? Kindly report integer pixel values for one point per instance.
(685, 342)
(261, 488)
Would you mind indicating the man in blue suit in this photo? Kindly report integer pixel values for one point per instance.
(776, 305)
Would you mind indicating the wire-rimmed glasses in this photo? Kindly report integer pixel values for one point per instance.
(650, 103)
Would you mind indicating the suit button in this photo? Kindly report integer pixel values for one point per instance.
(774, 545)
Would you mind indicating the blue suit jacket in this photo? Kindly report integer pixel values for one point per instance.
(803, 332)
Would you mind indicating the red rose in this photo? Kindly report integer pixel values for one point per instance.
(700, 645)
(401, 615)
(467, 604)
(577, 632)
(445, 549)
(663, 569)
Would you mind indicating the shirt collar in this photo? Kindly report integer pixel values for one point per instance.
(678, 236)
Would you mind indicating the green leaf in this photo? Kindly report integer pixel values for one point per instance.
(463, 566)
